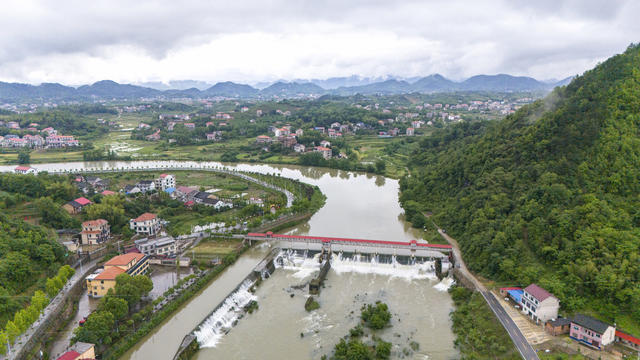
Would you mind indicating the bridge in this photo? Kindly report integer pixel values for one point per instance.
(360, 246)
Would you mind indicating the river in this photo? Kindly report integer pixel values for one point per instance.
(358, 206)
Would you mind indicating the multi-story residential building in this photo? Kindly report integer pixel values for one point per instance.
(299, 148)
(591, 332)
(410, 131)
(58, 141)
(95, 232)
(539, 304)
(164, 246)
(165, 181)
(99, 283)
(145, 224)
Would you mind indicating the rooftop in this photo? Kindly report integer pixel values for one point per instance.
(82, 201)
(590, 323)
(123, 259)
(537, 292)
(109, 273)
(69, 355)
(145, 217)
(97, 222)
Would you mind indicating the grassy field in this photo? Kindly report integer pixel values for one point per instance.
(212, 248)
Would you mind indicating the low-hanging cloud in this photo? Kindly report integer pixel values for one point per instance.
(76, 42)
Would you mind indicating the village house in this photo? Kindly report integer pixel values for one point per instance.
(289, 141)
(539, 304)
(154, 137)
(165, 181)
(99, 283)
(410, 131)
(130, 189)
(76, 206)
(214, 136)
(263, 139)
(627, 340)
(79, 351)
(95, 232)
(299, 148)
(164, 246)
(325, 143)
(185, 193)
(558, 327)
(146, 186)
(591, 332)
(190, 126)
(299, 132)
(25, 170)
(145, 224)
(326, 152)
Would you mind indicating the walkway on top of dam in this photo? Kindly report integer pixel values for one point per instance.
(410, 248)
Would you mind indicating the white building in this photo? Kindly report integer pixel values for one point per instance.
(145, 224)
(539, 304)
(165, 181)
(164, 246)
(25, 170)
(146, 185)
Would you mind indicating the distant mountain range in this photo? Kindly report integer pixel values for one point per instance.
(107, 89)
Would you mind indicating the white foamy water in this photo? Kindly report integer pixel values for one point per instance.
(223, 319)
(304, 266)
(445, 284)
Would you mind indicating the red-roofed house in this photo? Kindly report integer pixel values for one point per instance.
(107, 193)
(25, 170)
(95, 232)
(539, 304)
(326, 152)
(99, 283)
(76, 206)
(628, 340)
(145, 224)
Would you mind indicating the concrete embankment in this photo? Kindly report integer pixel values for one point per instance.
(189, 345)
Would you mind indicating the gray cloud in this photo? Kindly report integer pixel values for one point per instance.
(80, 41)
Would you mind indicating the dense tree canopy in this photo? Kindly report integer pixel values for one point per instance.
(548, 195)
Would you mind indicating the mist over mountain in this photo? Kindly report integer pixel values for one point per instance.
(107, 89)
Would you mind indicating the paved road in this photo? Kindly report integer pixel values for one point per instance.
(17, 347)
(526, 351)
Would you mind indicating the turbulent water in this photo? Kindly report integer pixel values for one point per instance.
(225, 316)
(418, 301)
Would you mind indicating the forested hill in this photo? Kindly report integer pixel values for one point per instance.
(551, 194)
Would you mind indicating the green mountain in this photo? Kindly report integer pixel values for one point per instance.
(550, 194)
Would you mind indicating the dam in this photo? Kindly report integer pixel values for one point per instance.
(310, 255)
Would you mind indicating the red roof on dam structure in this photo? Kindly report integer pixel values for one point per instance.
(332, 239)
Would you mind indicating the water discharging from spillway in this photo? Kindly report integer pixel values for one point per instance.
(221, 321)
(418, 301)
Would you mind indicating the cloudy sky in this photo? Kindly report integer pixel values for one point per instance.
(77, 42)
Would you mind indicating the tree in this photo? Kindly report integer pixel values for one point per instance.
(116, 306)
(24, 157)
(97, 329)
(133, 288)
(381, 166)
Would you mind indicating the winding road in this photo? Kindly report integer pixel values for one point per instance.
(526, 351)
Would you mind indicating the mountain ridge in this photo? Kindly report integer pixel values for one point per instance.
(107, 89)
